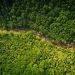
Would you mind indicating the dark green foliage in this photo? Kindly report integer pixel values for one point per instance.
(54, 18)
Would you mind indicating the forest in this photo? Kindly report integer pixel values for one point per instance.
(37, 37)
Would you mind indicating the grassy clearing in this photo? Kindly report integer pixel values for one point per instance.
(24, 53)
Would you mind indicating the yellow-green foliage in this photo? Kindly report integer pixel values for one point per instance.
(24, 53)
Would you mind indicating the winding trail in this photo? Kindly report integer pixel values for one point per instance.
(54, 42)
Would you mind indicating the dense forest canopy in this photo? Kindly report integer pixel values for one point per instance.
(54, 18)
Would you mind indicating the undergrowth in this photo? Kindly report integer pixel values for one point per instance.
(24, 53)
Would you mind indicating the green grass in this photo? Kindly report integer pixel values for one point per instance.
(24, 53)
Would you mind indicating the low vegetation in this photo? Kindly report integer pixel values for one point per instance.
(25, 53)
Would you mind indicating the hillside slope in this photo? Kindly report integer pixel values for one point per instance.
(25, 53)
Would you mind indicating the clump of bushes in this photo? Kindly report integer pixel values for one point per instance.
(53, 18)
